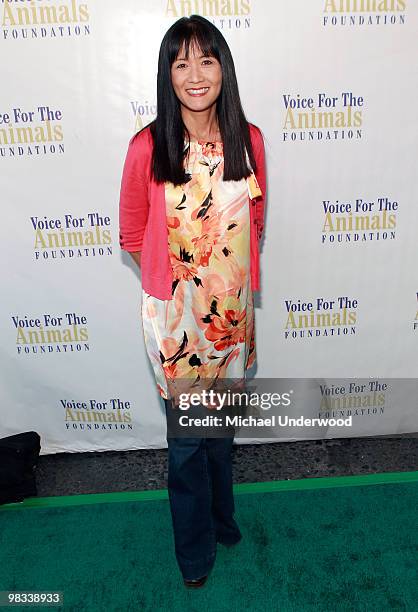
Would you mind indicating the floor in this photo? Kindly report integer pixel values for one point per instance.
(94, 472)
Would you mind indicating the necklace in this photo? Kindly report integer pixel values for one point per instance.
(216, 139)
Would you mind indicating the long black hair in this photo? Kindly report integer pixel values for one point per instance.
(168, 129)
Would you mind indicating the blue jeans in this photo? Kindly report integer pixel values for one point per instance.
(201, 500)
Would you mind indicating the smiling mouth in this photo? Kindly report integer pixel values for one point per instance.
(198, 92)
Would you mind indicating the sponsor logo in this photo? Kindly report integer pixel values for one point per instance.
(143, 113)
(51, 334)
(322, 117)
(27, 133)
(225, 14)
(320, 317)
(358, 221)
(93, 414)
(363, 13)
(353, 399)
(71, 237)
(43, 19)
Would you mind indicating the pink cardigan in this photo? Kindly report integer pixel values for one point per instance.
(143, 222)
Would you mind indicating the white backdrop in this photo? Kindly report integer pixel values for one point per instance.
(78, 79)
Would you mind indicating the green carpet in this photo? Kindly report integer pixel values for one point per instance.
(348, 543)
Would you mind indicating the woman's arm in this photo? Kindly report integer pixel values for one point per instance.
(259, 154)
(133, 202)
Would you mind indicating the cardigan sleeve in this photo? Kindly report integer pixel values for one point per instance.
(134, 201)
(259, 154)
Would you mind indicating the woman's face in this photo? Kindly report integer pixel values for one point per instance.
(197, 81)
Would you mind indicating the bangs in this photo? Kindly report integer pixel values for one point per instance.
(192, 37)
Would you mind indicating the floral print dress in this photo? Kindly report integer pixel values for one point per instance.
(207, 329)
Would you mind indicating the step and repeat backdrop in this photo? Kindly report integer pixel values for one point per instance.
(333, 86)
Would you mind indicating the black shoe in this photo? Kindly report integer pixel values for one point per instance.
(195, 583)
(230, 544)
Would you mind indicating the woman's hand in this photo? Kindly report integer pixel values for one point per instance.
(136, 256)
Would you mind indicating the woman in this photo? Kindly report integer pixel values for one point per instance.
(191, 215)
